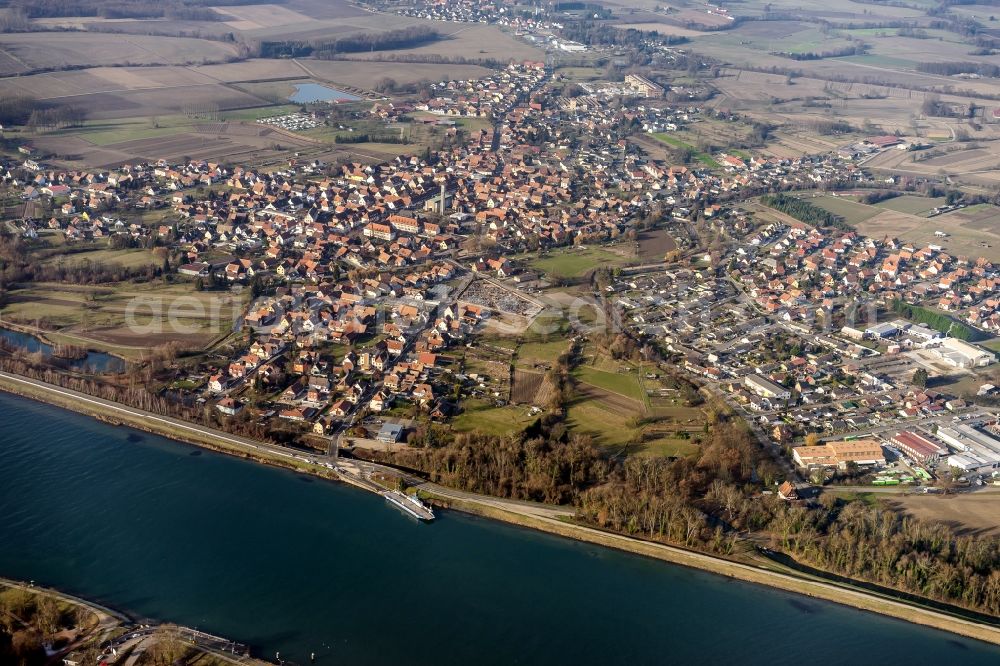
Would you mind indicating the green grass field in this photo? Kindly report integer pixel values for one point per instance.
(574, 262)
(879, 61)
(606, 426)
(615, 382)
(129, 258)
(671, 140)
(912, 204)
(530, 353)
(666, 446)
(482, 416)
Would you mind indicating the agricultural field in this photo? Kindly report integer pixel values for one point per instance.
(974, 163)
(972, 232)
(155, 110)
(361, 74)
(881, 88)
(851, 211)
(56, 49)
(769, 37)
(125, 318)
(911, 204)
(603, 421)
(130, 103)
(102, 80)
(972, 514)
(115, 142)
(471, 41)
(531, 388)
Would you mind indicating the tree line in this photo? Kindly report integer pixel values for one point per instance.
(953, 68)
(16, 110)
(704, 502)
(596, 33)
(122, 9)
(402, 38)
(936, 320)
(859, 49)
(56, 117)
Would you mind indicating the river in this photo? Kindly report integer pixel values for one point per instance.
(293, 564)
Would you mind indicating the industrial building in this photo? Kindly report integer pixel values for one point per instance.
(963, 355)
(863, 452)
(974, 448)
(918, 447)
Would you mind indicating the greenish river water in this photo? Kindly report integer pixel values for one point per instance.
(297, 565)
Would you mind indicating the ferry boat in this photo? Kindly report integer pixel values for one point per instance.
(409, 504)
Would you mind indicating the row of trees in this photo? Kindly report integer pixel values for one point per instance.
(121, 9)
(16, 110)
(859, 49)
(403, 38)
(952, 68)
(879, 196)
(56, 117)
(936, 320)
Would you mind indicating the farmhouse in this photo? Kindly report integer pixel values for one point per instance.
(194, 270)
(886, 141)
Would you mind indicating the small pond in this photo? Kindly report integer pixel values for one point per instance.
(97, 362)
(308, 93)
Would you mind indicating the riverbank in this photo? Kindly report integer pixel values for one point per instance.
(855, 598)
(121, 638)
(117, 414)
(539, 517)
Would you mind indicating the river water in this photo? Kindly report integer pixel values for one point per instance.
(298, 565)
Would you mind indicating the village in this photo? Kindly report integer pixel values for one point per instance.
(370, 283)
